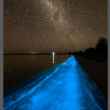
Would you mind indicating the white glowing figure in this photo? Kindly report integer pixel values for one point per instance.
(53, 56)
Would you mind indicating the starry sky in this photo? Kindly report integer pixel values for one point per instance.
(39, 26)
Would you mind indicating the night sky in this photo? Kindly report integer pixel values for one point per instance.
(39, 26)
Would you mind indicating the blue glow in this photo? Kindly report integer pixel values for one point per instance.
(63, 87)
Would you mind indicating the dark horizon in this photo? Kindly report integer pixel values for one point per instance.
(34, 53)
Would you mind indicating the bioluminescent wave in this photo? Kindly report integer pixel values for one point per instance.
(63, 87)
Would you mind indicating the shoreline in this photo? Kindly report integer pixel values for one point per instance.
(97, 71)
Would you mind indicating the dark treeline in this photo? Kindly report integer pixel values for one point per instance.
(98, 52)
(101, 47)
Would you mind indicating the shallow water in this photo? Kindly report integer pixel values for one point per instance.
(18, 68)
(65, 86)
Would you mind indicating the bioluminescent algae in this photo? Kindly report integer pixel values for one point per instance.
(64, 87)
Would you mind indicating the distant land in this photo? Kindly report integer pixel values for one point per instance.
(35, 54)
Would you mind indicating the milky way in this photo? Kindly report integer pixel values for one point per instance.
(53, 25)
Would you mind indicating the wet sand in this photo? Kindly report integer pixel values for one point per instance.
(98, 72)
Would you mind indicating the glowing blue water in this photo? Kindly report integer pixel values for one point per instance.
(63, 87)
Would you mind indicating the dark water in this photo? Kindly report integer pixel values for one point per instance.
(60, 87)
(18, 68)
